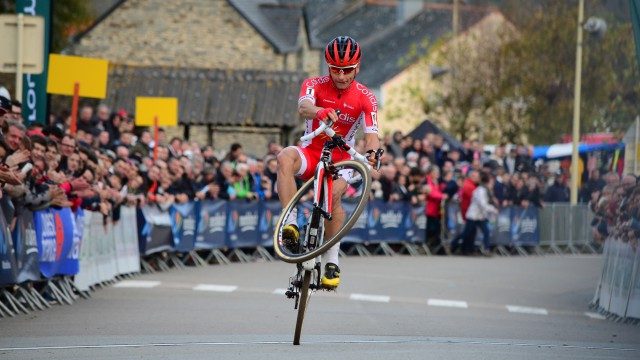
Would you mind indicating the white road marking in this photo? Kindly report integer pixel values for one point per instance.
(216, 288)
(373, 298)
(146, 284)
(448, 303)
(527, 310)
(279, 291)
(446, 341)
(595, 316)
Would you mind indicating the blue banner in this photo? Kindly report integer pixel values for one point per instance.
(524, 226)
(242, 224)
(268, 219)
(501, 234)
(54, 235)
(212, 225)
(415, 224)
(26, 246)
(386, 221)
(359, 233)
(8, 266)
(184, 225)
(154, 230)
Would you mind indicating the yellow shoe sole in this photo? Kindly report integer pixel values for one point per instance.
(330, 283)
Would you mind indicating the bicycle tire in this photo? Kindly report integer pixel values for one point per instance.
(302, 306)
(285, 255)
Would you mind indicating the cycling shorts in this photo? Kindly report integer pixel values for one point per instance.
(311, 157)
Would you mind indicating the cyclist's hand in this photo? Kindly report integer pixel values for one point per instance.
(326, 113)
(375, 158)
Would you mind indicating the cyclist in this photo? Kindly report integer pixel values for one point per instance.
(320, 97)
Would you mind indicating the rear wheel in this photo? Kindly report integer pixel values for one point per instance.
(302, 305)
(354, 202)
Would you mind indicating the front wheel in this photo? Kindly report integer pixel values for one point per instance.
(302, 305)
(354, 202)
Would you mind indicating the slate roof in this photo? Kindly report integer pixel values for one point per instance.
(207, 96)
(390, 45)
(278, 22)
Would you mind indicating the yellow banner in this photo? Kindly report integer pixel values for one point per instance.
(164, 108)
(90, 74)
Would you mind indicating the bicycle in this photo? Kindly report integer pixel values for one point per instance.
(313, 244)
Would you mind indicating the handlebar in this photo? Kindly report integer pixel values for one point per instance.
(325, 127)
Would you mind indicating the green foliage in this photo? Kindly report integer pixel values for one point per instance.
(523, 89)
(68, 15)
(541, 65)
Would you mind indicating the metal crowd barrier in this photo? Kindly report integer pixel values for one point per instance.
(566, 228)
(618, 292)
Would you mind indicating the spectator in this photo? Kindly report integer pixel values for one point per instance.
(466, 193)
(558, 191)
(433, 208)
(478, 214)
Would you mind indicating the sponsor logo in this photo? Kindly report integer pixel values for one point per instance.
(346, 117)
(315, 81)
(369, 95)
(374, 120)
(348, 106)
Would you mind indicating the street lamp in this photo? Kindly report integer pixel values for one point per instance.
(598, 27)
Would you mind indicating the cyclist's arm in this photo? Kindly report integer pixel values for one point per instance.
(308, 110)
(371, 141)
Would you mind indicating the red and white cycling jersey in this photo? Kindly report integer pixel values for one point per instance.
(358, 107)
(357, 104)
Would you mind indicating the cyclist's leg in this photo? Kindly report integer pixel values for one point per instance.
(338, 215)
(290, 162)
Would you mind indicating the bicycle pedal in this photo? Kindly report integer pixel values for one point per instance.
(290, 294)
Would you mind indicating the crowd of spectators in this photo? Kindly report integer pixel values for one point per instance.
(110, 162)
(616, 207)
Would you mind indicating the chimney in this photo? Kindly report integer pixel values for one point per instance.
(407, 9)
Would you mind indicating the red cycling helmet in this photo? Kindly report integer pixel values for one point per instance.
(342, 51)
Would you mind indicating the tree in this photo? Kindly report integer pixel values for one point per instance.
(68, 17)
(515, 85)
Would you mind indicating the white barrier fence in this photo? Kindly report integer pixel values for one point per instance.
(618, 292)
(108, 250)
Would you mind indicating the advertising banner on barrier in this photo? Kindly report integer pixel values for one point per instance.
(385, 221)
(524, 226)
(212, 227)
(184, 225)
(129, 255)
(359, 233)
(54, 235)
(8, 266)
(455, 223)
(242, 224)
(88, 273)
(156, 232)
(268, 218)
(416, 226)
(24, 241)
(502, 231)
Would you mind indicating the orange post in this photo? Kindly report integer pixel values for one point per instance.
(74, 108)
(155, 138)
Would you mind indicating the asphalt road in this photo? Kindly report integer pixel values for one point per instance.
(386, 308)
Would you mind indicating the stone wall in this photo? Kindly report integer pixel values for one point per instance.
(193, 33)
(185, 33)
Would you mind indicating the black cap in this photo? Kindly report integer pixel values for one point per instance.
(53, 130)
(5, 104)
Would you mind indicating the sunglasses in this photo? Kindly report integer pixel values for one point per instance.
(342, 70)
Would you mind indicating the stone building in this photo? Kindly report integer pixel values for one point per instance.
(235, 66)
(253, 55)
